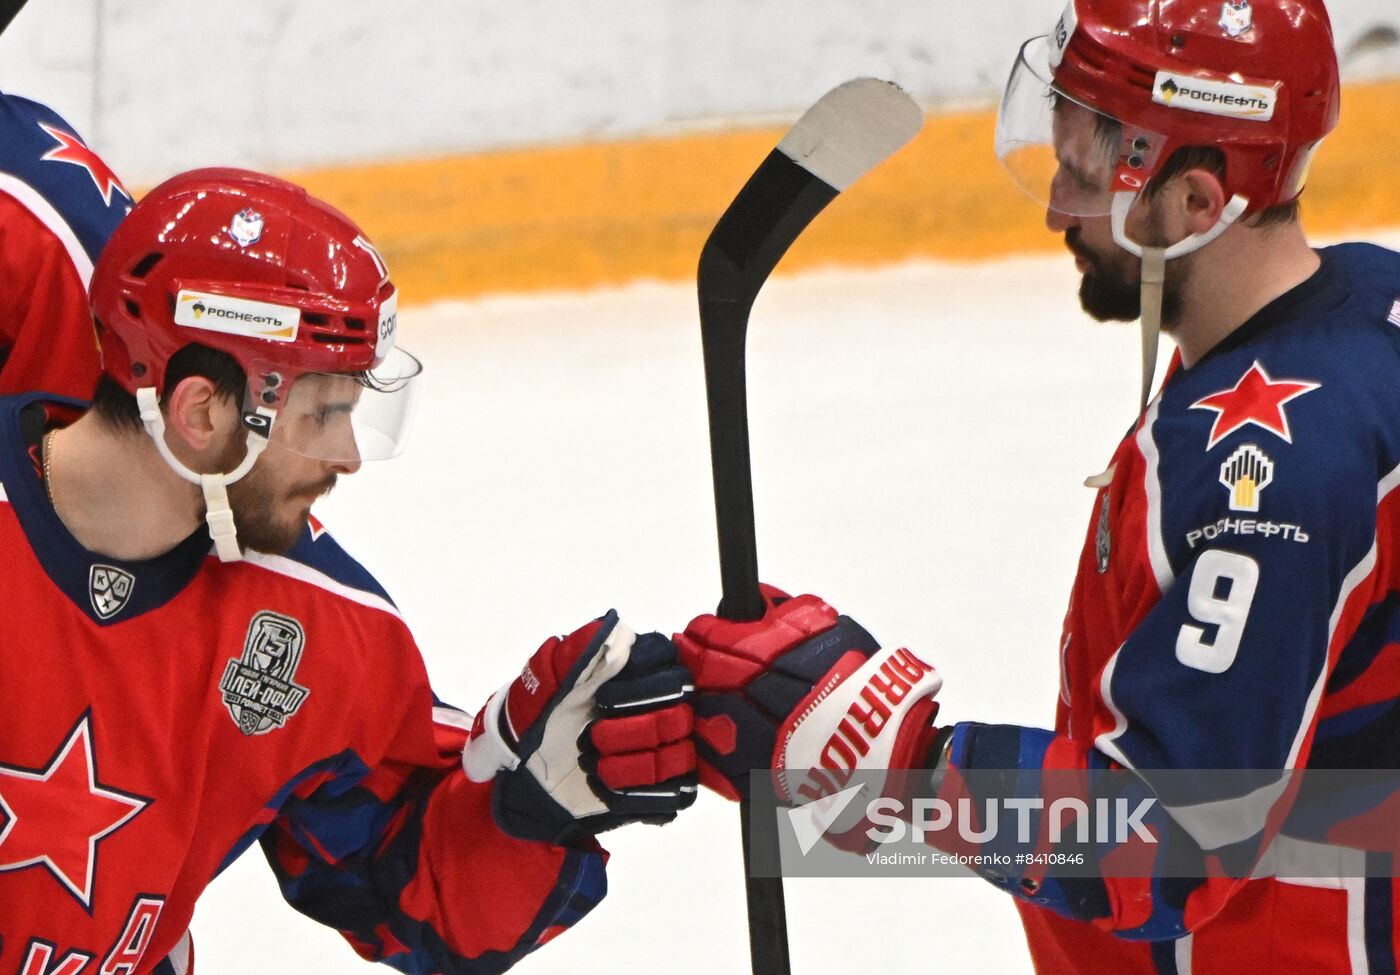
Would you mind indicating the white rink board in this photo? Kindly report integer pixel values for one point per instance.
(920, 437)
(159, 86)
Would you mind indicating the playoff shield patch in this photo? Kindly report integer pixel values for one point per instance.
(258, 688)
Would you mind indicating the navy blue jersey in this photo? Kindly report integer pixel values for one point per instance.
(1235, 608)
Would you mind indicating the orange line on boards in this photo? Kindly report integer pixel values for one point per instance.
(580, 216)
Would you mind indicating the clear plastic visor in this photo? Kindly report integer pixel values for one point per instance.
(349, 417)
(1061, 152)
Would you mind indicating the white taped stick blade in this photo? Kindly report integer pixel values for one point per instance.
(851, 129)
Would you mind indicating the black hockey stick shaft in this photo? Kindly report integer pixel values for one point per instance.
(8, 10)
(778, 201)
(773, 208)
(850, 129)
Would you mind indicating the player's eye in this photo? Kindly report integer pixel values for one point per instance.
(328, 412)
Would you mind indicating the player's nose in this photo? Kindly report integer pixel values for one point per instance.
(1057, 221)
(346, 451)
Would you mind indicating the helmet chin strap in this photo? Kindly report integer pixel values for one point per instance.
(214, 486)
(1154, 268)
(1154, 272)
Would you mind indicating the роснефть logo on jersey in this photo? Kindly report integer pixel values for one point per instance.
(258, 688)
(109, 590)
(1246, 474)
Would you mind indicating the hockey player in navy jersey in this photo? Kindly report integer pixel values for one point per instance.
(1234, 606)
(59, 202)
(193, 665)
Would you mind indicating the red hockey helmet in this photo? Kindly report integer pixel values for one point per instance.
(253, 266)
(1258, 80)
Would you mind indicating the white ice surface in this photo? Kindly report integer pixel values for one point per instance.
(920, 435)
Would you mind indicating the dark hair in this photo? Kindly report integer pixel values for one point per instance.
(1109, 132)
(1212, 160)
(118, 409)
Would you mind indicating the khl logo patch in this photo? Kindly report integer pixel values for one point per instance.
(258, 688)
(109, 590)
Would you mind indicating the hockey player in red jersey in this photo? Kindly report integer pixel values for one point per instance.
(194, 665)
(1234, 606)
(59, 202)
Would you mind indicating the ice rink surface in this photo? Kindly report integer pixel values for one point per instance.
(920, 438)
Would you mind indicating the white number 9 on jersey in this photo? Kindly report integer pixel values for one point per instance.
(1227, 612)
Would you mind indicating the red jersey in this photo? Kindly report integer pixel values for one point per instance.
(59, 202)
(159, 717)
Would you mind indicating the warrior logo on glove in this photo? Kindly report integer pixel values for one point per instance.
(807, 691)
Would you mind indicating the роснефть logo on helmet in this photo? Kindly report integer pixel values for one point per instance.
(1230, 99)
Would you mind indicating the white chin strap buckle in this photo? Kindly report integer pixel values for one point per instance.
(219, 517)
(218, 514)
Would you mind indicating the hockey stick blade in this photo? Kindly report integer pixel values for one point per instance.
(1378, 45)
(850, 130)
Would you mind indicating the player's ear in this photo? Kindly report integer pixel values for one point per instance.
(1201, 199)
(197, 417)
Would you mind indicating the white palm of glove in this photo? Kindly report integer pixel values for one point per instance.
(594, 733)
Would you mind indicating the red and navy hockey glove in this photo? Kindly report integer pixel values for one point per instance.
(594, 733)
(807, 691)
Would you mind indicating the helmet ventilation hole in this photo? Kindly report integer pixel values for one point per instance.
(143, 266)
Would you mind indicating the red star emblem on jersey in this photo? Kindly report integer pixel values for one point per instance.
(1255, 399)
(55, 817)
(70, 149)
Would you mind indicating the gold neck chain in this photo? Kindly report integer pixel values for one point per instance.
(48, 461)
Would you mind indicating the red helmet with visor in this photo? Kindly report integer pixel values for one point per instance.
(252, 266)
(1257, 80)
(287, 285)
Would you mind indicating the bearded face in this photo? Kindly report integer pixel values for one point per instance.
(272, 502)
(1110, 289)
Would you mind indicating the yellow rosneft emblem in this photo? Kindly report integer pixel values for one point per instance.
(1246, 474)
